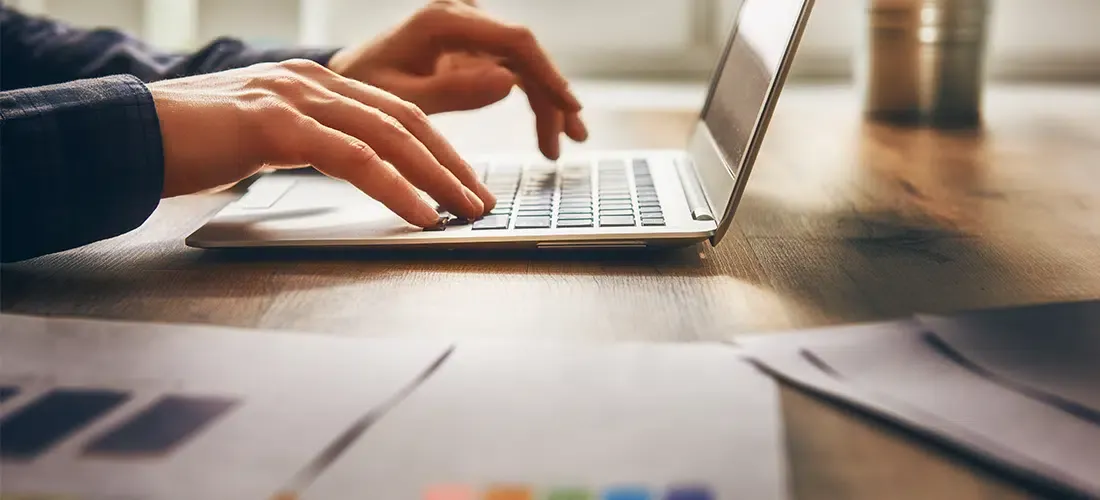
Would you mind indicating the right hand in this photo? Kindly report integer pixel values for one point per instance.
(220, 128)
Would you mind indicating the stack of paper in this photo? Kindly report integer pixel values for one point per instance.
(1017, 388)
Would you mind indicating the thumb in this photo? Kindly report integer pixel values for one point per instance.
(463, 89)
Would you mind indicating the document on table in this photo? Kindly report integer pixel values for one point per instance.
(1008, 402)
(96, 409)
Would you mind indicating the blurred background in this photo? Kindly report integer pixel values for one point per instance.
(1050, 40)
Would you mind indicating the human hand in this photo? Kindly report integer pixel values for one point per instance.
(451, 56)
(219, 128)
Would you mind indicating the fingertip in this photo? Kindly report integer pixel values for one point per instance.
(477, 207)
(425, 216)
(487, 199)
(550, 150)
(575, 128)
(570, 101)
(498, 83)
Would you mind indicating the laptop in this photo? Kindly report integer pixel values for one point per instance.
(612, 199)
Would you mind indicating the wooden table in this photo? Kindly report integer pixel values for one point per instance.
(844, 221)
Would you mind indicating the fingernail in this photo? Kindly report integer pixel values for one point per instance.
(477, 206)
(428, 216)
(439, 225)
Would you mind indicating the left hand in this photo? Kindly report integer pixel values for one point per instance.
(451, 56)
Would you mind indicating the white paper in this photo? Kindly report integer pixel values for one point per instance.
(296, 391)
(551, 415)
(888, 370)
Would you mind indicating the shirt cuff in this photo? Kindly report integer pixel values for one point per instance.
(83, 161)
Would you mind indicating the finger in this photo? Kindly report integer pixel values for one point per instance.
(416, 123)
(548, 123)
(575, 128)
(344, 157)
(397, 145)
(462, 26)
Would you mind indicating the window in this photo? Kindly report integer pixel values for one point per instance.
(604, 38)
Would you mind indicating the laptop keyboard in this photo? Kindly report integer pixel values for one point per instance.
(573, 195)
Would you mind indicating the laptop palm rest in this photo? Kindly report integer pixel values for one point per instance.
(302, 209)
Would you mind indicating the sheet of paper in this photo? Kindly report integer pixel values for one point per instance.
(247, 409)
(889, 370)
(1053, 349)
(548, 419)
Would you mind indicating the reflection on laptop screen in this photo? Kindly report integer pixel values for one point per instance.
(759, 42)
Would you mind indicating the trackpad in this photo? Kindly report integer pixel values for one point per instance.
(304, 208)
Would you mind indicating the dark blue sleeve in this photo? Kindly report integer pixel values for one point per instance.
(81, 157)
(79, 162)
(39, 51)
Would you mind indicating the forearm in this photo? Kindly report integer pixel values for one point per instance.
(39, 51)
(79, 162)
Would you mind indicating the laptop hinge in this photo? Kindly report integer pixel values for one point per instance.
(693, 191)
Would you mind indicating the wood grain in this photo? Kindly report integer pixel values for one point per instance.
(844, 221)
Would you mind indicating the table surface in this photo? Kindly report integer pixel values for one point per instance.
(844, 221)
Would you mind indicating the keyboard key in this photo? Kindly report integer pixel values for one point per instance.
(492, 222)
(532, 222)
(649, 203)
(575, 204)
(575, 210)
(649, 221)
(650, 210)
(617, 221)
(523, 212)
(615, 206)
(500, 211)
(574, 222)
(584, 216)
(604, 212)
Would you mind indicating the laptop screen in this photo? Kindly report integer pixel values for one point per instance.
(757, 47)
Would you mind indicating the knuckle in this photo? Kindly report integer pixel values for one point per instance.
(523, 36)
(360, 153)
(392, 126)
(436, 11)
(280, 82)
(411, 113)
(301, 65)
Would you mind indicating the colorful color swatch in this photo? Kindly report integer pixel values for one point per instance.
(689, 493)
(627, 493)
(509, 492)
(449, 492)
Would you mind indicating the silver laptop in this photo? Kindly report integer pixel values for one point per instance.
(607, 199)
